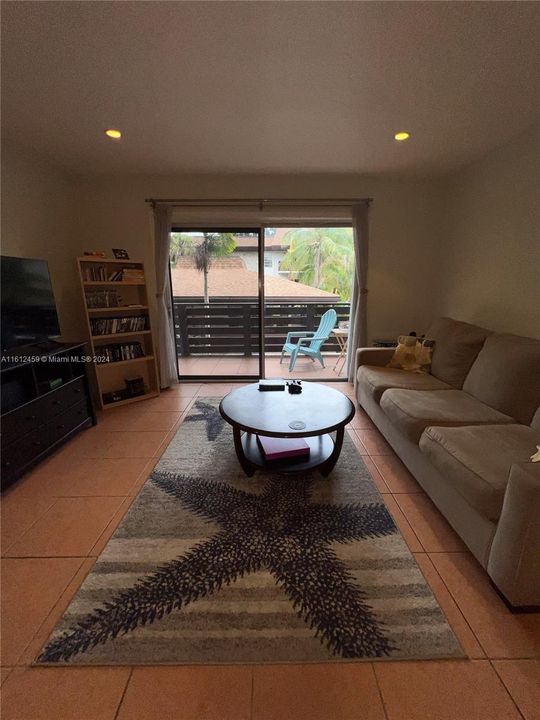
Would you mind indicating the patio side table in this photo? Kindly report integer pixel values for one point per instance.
(342, 337)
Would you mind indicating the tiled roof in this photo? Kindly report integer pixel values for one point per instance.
(236, 282)
(270, 242)
(231, 262)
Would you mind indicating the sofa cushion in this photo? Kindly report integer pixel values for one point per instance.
(412, 411)
(375, 380)
(456, 346)
(535, 422)
(506, 375)
(476, 460)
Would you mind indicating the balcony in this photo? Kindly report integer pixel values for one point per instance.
(222, 338)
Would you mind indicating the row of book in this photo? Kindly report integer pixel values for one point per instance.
(116, 352)
(103, 299)
(99, 273)
(114, 325)
(132, 275)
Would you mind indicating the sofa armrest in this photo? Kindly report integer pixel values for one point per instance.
(514, 560)
(371, 356)
(374, 356)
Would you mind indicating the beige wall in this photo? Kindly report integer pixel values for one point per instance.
(466, 246)
(405, 232)
(490, 267)
(38, 221)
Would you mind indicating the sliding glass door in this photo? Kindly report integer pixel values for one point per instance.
(216, 302)
(270, 302)
(308, 273)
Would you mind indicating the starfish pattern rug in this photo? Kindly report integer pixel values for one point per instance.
(209, 566)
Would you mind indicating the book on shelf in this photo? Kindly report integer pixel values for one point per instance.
(94, 273)
(132, 275)
(117, 352)
(103, 299)
(118, 325)
(99, 273)
(280, 448)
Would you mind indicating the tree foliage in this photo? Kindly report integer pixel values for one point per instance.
(321, 257)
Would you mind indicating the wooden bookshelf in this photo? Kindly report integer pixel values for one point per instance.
(115, 336)
(117, 363)
(113, 282)
(103, 310)
(107, 299)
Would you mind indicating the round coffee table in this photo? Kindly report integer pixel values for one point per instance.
(312, 415)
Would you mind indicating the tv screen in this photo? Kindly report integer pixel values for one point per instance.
(28, 308)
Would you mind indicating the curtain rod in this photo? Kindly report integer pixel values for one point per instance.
(196, 202)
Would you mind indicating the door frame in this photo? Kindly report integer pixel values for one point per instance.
(259, 231)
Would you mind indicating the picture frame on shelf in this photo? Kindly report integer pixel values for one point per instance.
(120, 254)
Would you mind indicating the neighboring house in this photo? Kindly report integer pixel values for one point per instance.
(274, 251)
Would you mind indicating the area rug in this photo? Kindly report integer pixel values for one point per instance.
(209, 566)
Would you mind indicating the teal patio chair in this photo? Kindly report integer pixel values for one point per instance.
(309, 343)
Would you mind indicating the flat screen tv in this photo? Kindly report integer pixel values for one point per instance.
(28, 308)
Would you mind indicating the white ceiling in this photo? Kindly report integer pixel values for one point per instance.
(268, 86)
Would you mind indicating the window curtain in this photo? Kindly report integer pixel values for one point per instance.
(358, 324)
(168, 370)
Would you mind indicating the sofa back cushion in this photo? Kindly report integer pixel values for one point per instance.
(506, 375)
(457, 345)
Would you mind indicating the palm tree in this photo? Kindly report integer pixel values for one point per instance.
(321, 257)
(213, 245)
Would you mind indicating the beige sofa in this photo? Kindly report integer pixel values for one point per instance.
(466, 432)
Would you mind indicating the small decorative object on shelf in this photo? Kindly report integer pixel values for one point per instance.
(94, 253)
(109, 398)
(126, 371)
(134, 386)
(120, 254)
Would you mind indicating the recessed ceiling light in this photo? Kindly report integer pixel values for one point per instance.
(401, 136)
(115, 134)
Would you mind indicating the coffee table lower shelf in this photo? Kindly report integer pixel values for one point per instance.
(324, 452)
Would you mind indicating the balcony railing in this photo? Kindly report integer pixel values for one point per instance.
(232, 328)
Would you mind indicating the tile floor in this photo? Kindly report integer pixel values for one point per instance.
(58, 518)
(230, 365)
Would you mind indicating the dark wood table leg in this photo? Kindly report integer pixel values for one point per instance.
(247, 466)
(327, 467)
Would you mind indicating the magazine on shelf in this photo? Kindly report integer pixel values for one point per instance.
(280, 448)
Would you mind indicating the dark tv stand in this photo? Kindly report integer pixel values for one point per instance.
(48, 345)
(46, 400)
